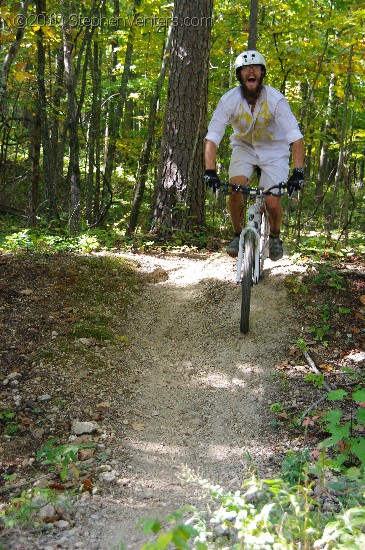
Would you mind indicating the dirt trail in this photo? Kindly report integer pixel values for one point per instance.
(201, 399)
(187, 392)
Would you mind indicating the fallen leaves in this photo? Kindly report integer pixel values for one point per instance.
(326, 367)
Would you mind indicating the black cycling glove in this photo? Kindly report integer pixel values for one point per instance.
(296, 181)
(212, 180)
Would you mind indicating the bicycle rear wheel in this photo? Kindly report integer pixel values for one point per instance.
(247, 281)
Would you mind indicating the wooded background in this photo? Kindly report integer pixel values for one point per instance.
(104, 107)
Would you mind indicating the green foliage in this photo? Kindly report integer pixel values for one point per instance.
(316, 379)
(276, 407)
(299, 57)
(295, 286)
(22, 510)
(301, 343)
(332, 280)
(345, 531)
(269, 513)
(178, 535)
(19, 241)
(345, 441)
(320, 250)
(62, 457)
(294, 467)
(319, 333)
(85, 330)
(8, 422)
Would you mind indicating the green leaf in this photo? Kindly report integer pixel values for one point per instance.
(358, 448)
(353, 473)
(338, 434)
(333, 416)
(150, 525)
(186, 531)
(360, 416)
(180, 542)
(163, 541)
(336, 395)
(359, 396)
(328, 442)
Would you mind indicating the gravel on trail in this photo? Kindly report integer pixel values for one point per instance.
(199, 399)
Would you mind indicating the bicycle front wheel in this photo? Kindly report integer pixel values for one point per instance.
(247, 281)
(264, 242)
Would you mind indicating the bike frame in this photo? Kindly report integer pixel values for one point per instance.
(256, 211)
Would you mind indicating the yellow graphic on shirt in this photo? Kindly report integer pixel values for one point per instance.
(251, 128)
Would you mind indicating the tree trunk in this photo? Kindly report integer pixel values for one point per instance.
(48, 175)
(146, 154)
(114, 128)
(35, 154)
(57, 145)
(74, 167)
(342, 143)
(254, 13)
(10, 56)
(93, 184)
(180, 193)
(74, 108)
(323, 169)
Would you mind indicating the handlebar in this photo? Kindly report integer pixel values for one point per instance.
(252, 191)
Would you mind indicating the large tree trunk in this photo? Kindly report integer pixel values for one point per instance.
(179, 199)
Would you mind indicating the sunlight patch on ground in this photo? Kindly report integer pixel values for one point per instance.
(218, 380)
(149, 448)
(222, 452)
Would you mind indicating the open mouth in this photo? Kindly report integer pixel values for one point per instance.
(251, 79)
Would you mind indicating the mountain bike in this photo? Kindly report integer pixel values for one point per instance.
(253, 244)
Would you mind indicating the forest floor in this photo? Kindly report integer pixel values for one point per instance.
(141, 356)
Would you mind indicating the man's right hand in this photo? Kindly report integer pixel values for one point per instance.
(212, 180)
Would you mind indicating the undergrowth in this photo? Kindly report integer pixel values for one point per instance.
(280, 513)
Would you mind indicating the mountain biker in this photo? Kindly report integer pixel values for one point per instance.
(264, 129)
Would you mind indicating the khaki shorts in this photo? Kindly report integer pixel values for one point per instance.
(244, 161)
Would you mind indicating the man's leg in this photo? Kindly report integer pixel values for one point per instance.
(275, 212)
(237, 210)
(236, 205)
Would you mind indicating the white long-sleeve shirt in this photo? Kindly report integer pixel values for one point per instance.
(268, 131)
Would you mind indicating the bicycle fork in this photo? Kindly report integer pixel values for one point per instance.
(254, 221)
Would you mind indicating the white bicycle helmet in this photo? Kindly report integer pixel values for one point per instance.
(251, 57)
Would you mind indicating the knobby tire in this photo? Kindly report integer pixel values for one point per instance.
(248, 258)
